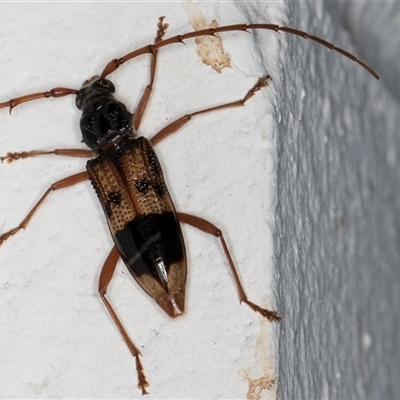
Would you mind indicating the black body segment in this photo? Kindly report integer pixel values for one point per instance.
(104, 121)
(141, 216)
(150, 244)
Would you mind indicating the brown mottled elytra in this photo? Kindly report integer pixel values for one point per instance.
(127, 177)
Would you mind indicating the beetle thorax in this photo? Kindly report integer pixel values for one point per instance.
(104, 120)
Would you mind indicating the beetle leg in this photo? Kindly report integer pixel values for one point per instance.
(208, 227)
(14, 156)
(55, 92)
(177, 124)
(162, 27)
(106, 275)
(63, 183)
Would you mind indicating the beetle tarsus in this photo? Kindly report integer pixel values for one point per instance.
(270, 315)
(162, 27)
(143, 384)
(8, 234)
(10, 157)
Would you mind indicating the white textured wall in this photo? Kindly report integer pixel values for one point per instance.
(57, 339)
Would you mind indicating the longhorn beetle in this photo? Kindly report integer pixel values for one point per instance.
(129, 183)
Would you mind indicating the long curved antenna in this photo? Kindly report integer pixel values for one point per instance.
(114, 64)
(151, 48)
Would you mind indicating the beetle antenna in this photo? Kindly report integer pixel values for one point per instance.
(114, 64)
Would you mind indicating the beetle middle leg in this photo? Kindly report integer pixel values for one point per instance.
(62, 184)
(14, 156)
(106, 275)
(208, 227)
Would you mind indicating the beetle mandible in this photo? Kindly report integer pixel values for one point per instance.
(129, 183)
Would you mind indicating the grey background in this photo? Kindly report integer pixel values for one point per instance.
(337, 238)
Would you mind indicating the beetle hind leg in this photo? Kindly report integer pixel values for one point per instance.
(208, 227)
(106, 275)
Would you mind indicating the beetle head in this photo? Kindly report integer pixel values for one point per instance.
(92, 90)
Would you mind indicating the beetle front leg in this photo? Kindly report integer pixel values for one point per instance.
(62, 184)
(106, 275)
(208, 227)
(137, 118)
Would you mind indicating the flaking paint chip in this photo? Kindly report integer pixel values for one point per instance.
(209, 48)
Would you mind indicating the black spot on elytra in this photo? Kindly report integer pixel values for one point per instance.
(142, 185)
(114, 197)
(159, 189)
